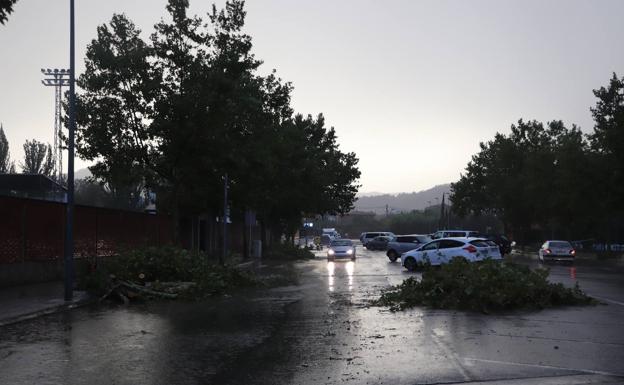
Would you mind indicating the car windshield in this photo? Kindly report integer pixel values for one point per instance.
(342, 242)
(560, 244)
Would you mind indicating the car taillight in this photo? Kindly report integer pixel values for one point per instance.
(547, 251)
(572, 252)
(470, 249)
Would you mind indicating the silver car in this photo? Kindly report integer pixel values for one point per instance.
(557, 251)
(341, 248)
(404, 243)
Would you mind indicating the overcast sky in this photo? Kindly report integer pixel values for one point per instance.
(411, 86)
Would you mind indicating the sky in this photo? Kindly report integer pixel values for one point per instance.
(412, 87)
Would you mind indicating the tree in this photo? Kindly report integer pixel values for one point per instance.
(184, 109)
(38, 158)
(607, 139)
(93, 193)
(535, 176)
(114, 111)
(6, 7)
(6, 166)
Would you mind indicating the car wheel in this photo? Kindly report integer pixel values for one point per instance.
(410, 264)
(392, 256)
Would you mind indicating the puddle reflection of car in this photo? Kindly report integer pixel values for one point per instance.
(441, 251)
(341, 248)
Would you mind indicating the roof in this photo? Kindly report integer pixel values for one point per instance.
(36, 186)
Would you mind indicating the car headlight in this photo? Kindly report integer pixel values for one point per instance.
(330, 252)
(350, 251)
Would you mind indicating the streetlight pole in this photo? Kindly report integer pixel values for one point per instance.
(69, 215)
(225, 218)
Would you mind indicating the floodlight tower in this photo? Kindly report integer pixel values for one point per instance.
(57, 78)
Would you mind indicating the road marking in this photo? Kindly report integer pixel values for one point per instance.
(607, 300)
(544, 366)
(435, 335)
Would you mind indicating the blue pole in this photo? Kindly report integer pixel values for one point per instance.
(69, 217)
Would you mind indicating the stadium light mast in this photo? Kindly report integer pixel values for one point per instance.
(57, 78)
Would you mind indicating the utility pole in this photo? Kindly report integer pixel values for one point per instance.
(441, 224)
(69, 217)
(225, 217)
(386, 210)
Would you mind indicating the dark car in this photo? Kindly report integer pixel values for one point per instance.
(379, 243)
(404, 243)
(504, 244)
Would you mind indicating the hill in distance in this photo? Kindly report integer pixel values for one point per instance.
(402, 202)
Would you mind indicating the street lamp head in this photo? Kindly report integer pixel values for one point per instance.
(56, 70)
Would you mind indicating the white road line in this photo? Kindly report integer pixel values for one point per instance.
(544, 366)
(435, 335)
(607, 300)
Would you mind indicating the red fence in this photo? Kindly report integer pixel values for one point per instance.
(33, 230)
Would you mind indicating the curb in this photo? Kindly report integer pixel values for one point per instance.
(50, 310)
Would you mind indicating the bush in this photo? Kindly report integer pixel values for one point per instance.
(486, 286)
(285, 251)
(166, 264)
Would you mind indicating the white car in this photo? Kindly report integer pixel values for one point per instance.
(557, 251)
(341, 248)
(440, 251)
(455, 234)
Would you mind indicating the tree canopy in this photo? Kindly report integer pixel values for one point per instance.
(6, 165)
(181, 110)
(552, 178)
(6, 7)
(38, 158)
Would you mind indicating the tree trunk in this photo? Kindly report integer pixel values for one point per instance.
(263, 236)
(175, 215)
(245, 228)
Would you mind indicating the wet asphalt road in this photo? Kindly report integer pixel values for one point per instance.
(323, 332)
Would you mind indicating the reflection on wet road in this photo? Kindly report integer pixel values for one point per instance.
(340, 269)
(321, 332)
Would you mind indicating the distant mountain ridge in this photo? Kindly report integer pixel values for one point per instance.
(402, 202)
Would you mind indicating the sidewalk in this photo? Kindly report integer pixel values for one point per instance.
(21, 303)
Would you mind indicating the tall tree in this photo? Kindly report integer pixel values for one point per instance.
(607, 139)
(6, 165)
(6, 7)
(38, 158)
(188, 107)
(536, 175)
(114, 111)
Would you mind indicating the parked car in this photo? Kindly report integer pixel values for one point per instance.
(504, 244)
(332, 233)
(379, 243)
(367, 236)
(341, 248)
(403, 243)
(443, 250)
(325, 240)
(557, 251)
(455, 234)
